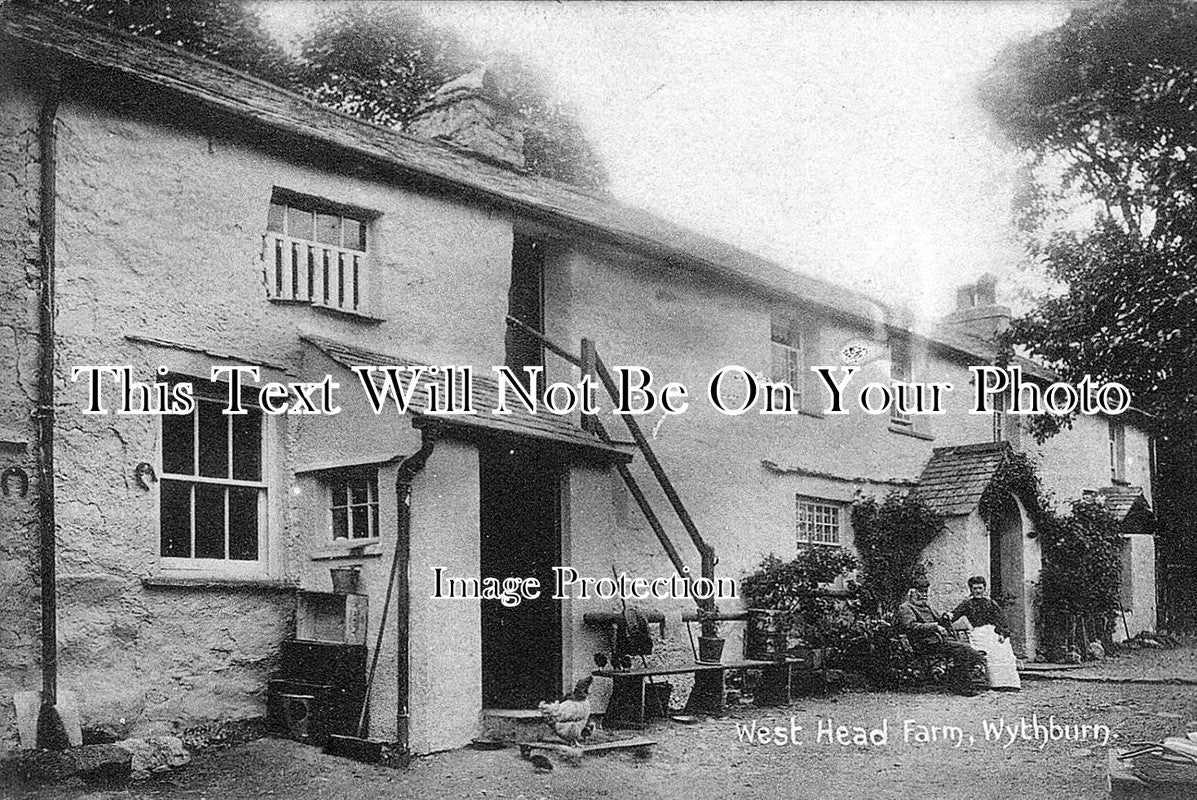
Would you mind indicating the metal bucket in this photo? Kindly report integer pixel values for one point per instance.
(710, 649)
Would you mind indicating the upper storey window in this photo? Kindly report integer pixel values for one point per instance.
(901, 370)
(787, 356)
(316, 253)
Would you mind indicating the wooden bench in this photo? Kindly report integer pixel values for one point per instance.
(627, 706)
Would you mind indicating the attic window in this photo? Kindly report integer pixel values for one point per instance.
(316, 253)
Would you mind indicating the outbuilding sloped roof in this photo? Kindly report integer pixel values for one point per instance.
(1120, 500)
(413, 160)
(955, 478)
(544, 425)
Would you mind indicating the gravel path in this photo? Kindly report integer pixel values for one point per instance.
(713, 758)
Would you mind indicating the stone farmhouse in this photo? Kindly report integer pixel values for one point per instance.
(196, 217)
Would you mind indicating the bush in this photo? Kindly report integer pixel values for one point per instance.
(795, 586)
(1081, 576)
(890, 537)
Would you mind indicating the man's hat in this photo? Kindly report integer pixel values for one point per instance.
(920, 582)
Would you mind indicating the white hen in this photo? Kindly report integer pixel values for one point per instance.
(569, 717)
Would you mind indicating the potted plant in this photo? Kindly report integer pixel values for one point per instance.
(781, 594)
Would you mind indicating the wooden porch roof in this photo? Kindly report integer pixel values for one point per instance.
(543, 426)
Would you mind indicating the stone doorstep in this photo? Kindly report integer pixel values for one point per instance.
(509, 725)
(1045, 666)
(1152, 681)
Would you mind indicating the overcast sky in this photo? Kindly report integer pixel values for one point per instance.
(838, 138)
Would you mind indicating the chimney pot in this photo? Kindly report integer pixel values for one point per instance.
(977, 312)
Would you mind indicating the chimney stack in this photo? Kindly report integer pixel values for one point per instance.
(475, 112)
(977, 312)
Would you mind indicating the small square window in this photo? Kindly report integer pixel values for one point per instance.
(353, 505)
(818, 521)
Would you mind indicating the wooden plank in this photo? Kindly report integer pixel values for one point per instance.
(651, 671)
(636, 743)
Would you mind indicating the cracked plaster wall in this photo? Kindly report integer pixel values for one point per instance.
(160, 233)
(19, 598)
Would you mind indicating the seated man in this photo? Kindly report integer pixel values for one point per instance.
(980, 610)
(928, 634)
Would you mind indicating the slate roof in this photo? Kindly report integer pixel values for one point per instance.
(955, 478)
(1120, 500)
(543, 426)
(418, 163)
(982, 351)
(411, 161)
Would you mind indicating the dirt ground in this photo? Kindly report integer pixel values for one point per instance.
(713, 759)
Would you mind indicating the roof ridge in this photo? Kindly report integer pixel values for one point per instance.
(976, 447)
(603, 215)
(65, 17)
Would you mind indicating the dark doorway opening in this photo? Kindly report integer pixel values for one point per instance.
(521, 537)
(996, 587)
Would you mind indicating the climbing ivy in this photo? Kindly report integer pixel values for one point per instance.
(1081, 572)
(1081, 577)
(1015, 476)
(890, 537)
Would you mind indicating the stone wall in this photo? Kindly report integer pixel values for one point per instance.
(19, 597)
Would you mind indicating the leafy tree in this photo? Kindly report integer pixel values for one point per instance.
(377, 63)
(227, 31)
(380, 63)
(1105, 110)
(1103, 107)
